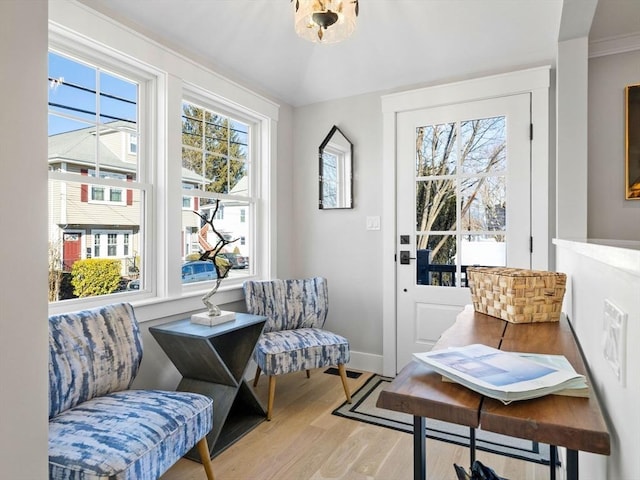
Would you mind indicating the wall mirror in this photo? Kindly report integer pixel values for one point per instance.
(335, 157)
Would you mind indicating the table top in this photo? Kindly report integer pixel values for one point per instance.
(572, 422)
(185, 328)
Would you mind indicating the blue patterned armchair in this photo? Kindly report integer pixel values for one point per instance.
(99, 429)
(293, 338)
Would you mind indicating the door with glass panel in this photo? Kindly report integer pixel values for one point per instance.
(463, 183)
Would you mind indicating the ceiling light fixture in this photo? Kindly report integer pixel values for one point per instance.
(325, 21)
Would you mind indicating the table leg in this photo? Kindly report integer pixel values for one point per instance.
(419, 448)
(572, 464)
(472, 446)
(553, 460)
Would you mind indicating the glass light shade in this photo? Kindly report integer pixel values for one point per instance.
(325, 21)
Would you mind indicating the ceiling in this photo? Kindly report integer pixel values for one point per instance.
(397, 43)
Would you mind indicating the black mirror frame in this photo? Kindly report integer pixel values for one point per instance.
(324, 143)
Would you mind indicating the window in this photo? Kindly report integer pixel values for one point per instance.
(111, 244)
(121, 177)
(95, 186)
(216, 154)
(106, 194)
(133, 144)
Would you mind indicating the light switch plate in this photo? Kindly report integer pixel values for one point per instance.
(373, 223)
(614, 339)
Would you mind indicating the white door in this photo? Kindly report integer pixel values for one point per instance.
(463, 198)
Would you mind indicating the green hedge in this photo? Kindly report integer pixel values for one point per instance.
(95, 276)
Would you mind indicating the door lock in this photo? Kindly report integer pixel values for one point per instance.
(405, 257)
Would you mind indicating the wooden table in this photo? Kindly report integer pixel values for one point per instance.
(212, 361)
(571, 422)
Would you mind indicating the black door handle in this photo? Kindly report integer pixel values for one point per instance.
(405, 257)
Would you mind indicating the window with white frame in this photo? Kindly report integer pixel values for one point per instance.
(216, 150)
(95, 177)
(102, 193)
(110, 243)
(133, 144)
(121, 178)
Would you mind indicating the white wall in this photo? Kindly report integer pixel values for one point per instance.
(610, 215)
(285, 237)
(571, 139)
(24, 352)
(335, 243)
(590, 202)
(591, 282)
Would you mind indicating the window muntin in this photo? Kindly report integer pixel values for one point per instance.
(94, 176)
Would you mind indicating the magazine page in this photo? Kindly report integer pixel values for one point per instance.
(577, 388)
(503, 375)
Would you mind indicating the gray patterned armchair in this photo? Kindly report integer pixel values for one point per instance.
(293, 338)
(98, 427)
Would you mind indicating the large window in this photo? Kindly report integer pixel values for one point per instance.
(216, 159)
(130, 190)
(95, 187)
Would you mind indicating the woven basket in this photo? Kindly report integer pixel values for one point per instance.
(517, 295)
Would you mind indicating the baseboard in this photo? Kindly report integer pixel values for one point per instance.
(366, 362)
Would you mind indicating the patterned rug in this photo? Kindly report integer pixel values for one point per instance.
(364, 409)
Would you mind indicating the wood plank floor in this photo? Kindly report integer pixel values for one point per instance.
(304, 441)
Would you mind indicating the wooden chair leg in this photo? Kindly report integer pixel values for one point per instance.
(272, 394)
(343, 377)
(257, 377)
(203, 451)
(308, 373)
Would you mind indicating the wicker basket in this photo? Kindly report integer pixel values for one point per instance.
(517, 295)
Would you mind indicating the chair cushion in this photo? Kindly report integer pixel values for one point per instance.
(128, 435)
(91, 353)
(289, 304)
(288, 351)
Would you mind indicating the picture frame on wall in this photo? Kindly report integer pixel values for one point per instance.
(632, 140)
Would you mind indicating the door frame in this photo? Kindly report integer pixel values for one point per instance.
(536, 82)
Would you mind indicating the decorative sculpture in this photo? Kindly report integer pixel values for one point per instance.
(220, 263)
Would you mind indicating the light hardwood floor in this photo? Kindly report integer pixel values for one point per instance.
(304, 441)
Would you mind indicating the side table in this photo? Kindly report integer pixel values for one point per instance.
(212, 361)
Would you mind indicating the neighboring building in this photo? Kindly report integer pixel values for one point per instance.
(99, 221)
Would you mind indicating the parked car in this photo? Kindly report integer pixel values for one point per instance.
(134, 285)
(198, 271)
(237, 260)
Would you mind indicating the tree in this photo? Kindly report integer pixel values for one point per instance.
(456, 160)
(213, 147)
(55, 272)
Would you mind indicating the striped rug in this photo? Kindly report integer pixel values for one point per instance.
(363, 408)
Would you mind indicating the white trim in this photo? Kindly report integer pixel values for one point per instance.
(535, 81)
(614, 45)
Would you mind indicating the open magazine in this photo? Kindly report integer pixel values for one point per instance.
(505, 376)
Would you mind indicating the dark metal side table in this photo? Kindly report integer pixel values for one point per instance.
(212, 361)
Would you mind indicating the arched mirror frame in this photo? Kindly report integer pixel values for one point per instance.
(336, 172)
